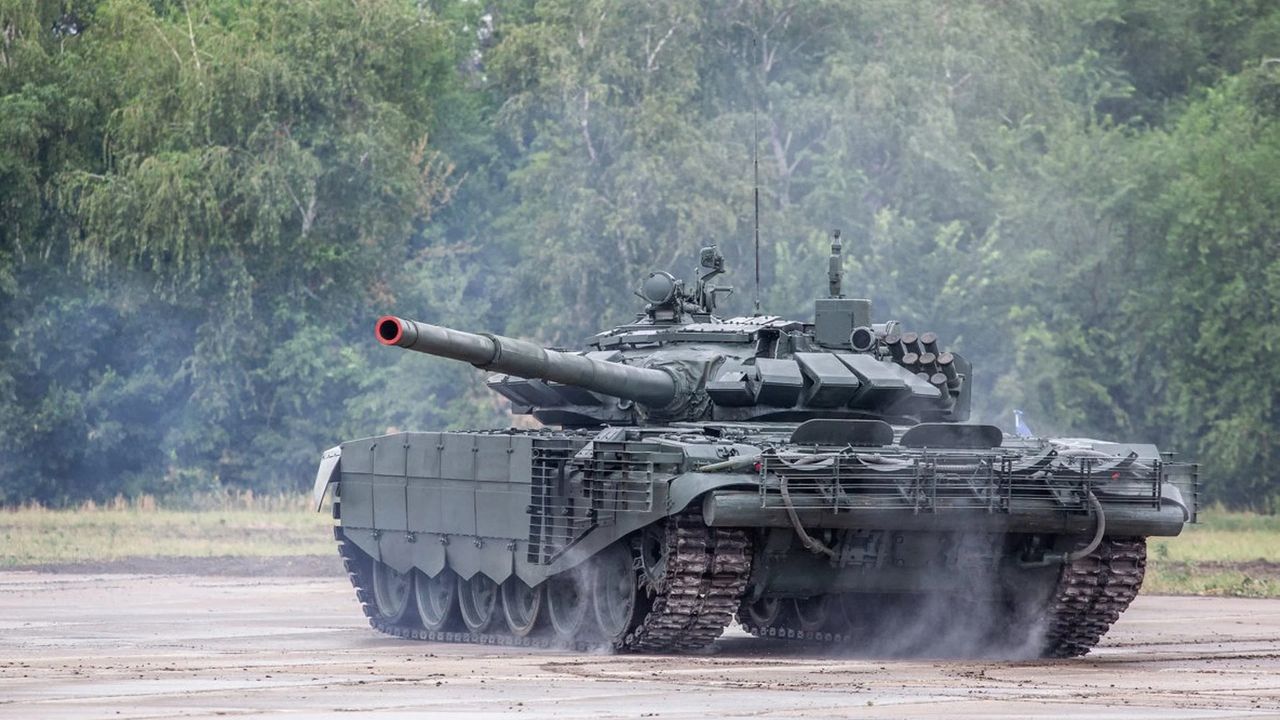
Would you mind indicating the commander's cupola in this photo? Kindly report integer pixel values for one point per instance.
(668, 302)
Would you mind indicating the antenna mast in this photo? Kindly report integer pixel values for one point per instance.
(755, 179)
(835, 267)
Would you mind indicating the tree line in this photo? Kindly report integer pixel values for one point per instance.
(204, 204)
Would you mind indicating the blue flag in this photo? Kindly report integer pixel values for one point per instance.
(1020, 426)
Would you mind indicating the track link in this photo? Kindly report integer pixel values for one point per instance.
(706, 574)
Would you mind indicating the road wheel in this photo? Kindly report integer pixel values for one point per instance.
(763, 613)
(568, 604)
(437, 600)
(478, 602)
(813, 614)
(616, 589)
(521, 606)
(391, 593)
(853, 614)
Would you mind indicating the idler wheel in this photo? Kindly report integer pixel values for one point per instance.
(521, 606)
(616, 588)
(437, 600)
(568, 603)
(478, 602)
(391, 592)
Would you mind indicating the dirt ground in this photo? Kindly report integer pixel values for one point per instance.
(108, 644)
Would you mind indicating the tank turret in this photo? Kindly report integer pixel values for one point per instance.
(679, 361)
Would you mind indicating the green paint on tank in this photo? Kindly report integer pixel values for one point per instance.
(819, 481)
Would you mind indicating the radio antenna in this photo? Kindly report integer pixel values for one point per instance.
(755, 178)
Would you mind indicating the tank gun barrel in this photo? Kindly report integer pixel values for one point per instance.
(525, 359)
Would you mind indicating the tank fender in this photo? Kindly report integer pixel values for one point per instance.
(326, 475)
(689, 486)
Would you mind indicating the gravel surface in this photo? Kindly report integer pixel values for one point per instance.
(256, 644)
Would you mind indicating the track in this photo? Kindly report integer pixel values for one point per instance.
(691, 602)
(1089, 596)
(785, 629)
(706, 575)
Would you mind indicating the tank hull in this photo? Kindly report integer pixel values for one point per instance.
(721, 519)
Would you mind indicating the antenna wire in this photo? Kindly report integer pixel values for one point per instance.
(755, 179)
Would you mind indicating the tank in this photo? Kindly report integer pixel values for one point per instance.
(817, 481)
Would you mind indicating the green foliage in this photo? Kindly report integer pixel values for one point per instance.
(237, 184)
(1219, 273)
(203, 204)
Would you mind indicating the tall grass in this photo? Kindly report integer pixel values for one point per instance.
(1227, 553)
(1222, 536)
(230, 524)
(227, 500)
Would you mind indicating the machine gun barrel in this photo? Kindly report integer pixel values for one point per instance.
(525, 359)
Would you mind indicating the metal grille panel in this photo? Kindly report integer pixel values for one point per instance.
(925, 481)
(620, 476)
(558, 509)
